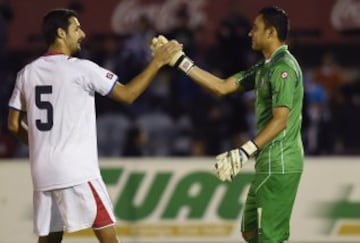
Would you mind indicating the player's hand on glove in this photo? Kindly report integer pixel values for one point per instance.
(179, 60)
(229, 164)
(163, 54)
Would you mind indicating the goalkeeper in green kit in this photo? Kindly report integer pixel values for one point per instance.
(277, 147)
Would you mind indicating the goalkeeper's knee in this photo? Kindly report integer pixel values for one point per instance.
(253, 240)
(250, 236)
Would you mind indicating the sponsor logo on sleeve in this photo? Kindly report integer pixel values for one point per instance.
(109, 75)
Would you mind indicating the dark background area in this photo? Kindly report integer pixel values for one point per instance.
(175, 117)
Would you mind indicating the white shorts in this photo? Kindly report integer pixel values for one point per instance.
(87, 205)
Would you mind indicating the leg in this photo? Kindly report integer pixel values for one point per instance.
(276, 197)
(48, 224)
(106, 235)
(249, 226)
(53, 237)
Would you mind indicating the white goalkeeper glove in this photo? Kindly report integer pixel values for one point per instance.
(229, 164)
(180, 60)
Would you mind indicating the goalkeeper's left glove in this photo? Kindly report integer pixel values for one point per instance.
(229, 164)
(180, 60)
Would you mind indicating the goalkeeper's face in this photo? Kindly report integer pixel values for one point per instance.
(259, 34)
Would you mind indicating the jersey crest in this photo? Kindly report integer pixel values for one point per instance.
(284, 75)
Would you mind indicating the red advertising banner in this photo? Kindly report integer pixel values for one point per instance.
(324, 21)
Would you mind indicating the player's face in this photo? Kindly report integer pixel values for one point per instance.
(75, 35)
(259, 34)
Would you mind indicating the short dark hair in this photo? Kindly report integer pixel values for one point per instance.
(57, 18)
(276, 17)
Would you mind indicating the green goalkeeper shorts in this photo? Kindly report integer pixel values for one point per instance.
(269, 204)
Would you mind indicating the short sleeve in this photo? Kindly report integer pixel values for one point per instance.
(17, 100)
(283, 81)
(247, 82)
(246, 79)
(99, 79)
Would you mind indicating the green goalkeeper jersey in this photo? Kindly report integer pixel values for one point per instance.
(278, 82)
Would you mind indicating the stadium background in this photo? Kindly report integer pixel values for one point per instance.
(175, 118)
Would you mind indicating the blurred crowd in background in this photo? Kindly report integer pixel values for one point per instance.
(175, 117)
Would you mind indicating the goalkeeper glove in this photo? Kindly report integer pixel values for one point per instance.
(229, 164)
(180, 60)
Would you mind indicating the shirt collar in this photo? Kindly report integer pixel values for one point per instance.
(52, 52)
(278, 50)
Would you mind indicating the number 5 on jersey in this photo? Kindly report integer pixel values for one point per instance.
(44, 105)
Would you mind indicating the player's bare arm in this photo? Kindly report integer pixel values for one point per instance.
(212, 83)
(205, 79)
(130, 92)
(275, 126)
(15, 125)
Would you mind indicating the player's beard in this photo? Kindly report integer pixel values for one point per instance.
(254, 46)
(76, 48)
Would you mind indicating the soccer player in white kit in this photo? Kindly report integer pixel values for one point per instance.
(56, 92)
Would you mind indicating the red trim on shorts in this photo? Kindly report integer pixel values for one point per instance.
(102, 218)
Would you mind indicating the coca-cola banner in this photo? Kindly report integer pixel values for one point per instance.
(345, 15)
(328, 19)
(161, 14)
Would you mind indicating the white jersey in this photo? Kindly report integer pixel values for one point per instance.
(58, 92)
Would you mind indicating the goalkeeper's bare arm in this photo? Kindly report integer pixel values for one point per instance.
(205, 79)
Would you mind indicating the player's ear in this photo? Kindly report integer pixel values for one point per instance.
(61, 33)
(271, 32)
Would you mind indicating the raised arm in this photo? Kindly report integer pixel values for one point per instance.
(205, 79)
(213, 83)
